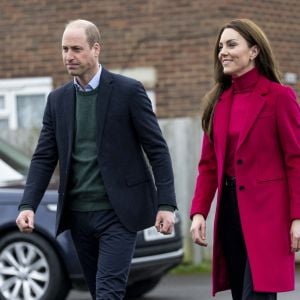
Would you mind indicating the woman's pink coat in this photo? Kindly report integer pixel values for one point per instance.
(268, 183)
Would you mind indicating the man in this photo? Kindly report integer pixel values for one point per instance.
(98, 127)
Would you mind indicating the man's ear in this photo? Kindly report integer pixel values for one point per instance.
(97, 49)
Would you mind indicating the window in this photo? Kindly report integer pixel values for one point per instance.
(3, 123)
(22, 101)
(30, 110)
(2, 103)
(3, 113)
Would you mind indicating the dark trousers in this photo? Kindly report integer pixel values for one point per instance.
(234, 249)
(105, 248)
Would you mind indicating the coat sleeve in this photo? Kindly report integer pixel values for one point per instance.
(43, 163)
(207, 180)
(153, 144)
(288, 124)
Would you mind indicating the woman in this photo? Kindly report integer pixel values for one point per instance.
(251, 155)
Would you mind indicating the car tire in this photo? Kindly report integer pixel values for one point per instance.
(140, 288)
(30, 269)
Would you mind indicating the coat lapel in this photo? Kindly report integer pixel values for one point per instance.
(257, 103)
(221, 122)
(105, 89)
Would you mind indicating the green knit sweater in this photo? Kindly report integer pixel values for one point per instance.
(86, 189)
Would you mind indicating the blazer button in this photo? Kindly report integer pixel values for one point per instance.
(239, 161)
(241, 187)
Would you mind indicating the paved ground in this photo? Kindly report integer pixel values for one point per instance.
(197, 288)
(189, 287)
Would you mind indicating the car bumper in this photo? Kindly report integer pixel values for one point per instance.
(156, 265)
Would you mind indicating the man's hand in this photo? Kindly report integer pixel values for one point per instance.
(25, 221)
(165, 221)
(198, 230)
(295, 235)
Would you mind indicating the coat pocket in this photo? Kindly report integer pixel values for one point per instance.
(266, 114)
(279, 177)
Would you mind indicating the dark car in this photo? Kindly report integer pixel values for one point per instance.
(40, 266)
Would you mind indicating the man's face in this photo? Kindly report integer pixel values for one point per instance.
(80, 59)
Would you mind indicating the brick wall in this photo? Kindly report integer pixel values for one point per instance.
(173, 36)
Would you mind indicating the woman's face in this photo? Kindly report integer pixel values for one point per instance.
(235, 55)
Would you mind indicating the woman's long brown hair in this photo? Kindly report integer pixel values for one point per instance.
(265, 62)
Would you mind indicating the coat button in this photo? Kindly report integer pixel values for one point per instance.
(241, 187)
(239, 161)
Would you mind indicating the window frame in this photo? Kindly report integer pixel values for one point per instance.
(13, 87)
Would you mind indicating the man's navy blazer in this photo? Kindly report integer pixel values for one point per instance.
(126, 129)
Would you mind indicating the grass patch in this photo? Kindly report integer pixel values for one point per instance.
(189, 268)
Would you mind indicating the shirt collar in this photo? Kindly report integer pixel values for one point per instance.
(93, 83)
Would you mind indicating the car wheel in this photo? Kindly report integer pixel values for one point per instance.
(30, 269)
(140, 288)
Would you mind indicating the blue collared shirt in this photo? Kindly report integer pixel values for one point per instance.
(93, 84)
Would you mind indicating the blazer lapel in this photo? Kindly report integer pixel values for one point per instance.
(257, 103)
(105, 89)
(68, 115)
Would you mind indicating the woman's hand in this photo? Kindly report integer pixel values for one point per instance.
(198, 230)
(295, 235)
